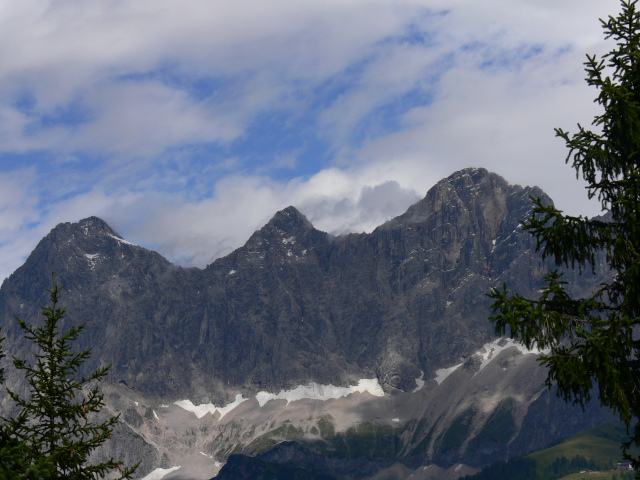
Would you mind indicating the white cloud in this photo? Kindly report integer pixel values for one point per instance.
(258, 53)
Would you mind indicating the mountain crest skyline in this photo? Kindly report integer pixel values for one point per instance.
(294, 309)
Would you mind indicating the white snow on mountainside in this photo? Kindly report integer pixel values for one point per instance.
(491, 350)
(487, 353)
(201, 410)
(159, 473)
(313, 391)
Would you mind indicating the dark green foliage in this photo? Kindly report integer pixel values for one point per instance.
(498, 429)
(286, 431)
(524, 468)
(369, 440)
(591, 339)
(515, 469)
(423, 446)
(363, 440)
(562, 467)
(326, 427)
(457, 432)
(54, 433)
(242, 466)
(2, 355)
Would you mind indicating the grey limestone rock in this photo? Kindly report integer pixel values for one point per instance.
(294, 304)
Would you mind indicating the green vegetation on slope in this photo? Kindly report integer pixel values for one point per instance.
(600, 444)
(595, 449)
(606, 475)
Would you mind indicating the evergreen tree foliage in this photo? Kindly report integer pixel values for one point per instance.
(12, 452)
(54, 433)
(591, 340)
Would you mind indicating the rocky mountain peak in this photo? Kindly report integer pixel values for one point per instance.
(289, 220)
(94, 225)
(78, 253)
(297, 310)
(461, 190)
(294, 293)
(90, 233)
(287, 228)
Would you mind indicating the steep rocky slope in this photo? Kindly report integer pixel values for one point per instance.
(296, 305)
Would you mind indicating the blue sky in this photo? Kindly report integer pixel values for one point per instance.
(187, 125)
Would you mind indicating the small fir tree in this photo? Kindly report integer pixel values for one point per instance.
(593, 342)
(13, 462)
(54, 433)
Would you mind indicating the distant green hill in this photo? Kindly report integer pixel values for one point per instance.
(596, 448)
(600, 444)
(605, 475)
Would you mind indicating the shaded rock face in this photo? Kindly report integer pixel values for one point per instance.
(294, 304)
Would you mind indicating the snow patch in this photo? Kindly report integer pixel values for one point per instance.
(159, 473)
(91, 257)
(488, 352)
(458, 467)
(231, 272)
(136, 403)
(201, 410)
(492, 350)
(395, 420)
(315, 391)
(290, 240)
(443, 373)
(155, 415)
(419, 382)
(121, 240)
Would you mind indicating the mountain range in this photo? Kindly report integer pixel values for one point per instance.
(352, 356)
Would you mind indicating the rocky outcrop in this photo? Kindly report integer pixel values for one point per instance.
(296, 305)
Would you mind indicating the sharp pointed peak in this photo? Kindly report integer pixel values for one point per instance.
(287, 225)
(94, 224)
(288, 219)
(472, 175)
(87, 228)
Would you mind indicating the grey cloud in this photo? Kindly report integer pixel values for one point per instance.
(373, 206)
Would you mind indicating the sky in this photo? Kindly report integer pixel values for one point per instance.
(187, 125)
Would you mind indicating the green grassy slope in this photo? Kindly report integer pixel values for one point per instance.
(600, 444)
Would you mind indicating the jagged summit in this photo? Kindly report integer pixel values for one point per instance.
(459, 189)
(473, 195)
(297, 310)
(88, 233)
(290, 220)
(93, 224)
(295, 306)
(288, 235)
(76, 252)
(307, 306)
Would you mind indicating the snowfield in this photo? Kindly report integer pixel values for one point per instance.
(313, 391)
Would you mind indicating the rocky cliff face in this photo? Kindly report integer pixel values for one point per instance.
(296, 305)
